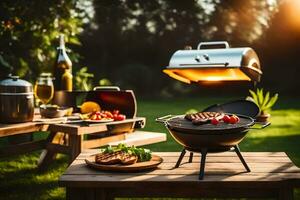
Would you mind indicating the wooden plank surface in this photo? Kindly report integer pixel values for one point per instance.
(139, 138)
(268, 168)
(98, 142)
(81, 129)
(21, 128)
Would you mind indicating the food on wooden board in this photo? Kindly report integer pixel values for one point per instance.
(123, 154)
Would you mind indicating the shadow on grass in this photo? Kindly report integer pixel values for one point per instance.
(20, 178)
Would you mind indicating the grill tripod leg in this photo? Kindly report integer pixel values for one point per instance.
(180, 158)
(202, 163)
(191, 157)
(238, 152)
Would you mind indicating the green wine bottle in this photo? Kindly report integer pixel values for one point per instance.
(62, 64)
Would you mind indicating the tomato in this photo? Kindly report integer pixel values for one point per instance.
(116, 112)
(226, 119)
(214, 121)
(115, 116)
(119, 117)
(233, 119)
(236, 118)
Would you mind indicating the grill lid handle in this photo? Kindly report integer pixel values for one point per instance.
(212, 45)
(106, 88)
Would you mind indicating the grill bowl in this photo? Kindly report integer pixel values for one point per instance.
(213, 142)
(215, 138)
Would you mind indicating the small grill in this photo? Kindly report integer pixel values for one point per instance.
(214, 61)
(207, 138)
(109, 98)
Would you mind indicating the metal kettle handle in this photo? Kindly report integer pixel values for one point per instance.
(224, 43)
(106, 88)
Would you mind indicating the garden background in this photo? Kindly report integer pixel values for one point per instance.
(129, 42)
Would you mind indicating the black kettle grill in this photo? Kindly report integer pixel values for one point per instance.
(207, 138)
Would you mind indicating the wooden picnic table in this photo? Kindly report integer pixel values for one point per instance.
(273, 175)
(71, 139)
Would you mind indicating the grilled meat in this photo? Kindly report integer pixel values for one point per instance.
(128, 159)
(118, 157)
(203, 117)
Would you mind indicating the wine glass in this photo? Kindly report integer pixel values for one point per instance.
(44, 89)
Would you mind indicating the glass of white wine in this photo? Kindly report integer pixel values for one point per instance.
(44, 89)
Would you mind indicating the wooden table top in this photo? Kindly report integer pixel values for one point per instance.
(56, 125)
(20, 128)
(267, 169)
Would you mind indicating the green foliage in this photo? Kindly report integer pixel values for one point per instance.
(191, 111)
(134, 40)
(29, 31)
(83, 79)
(263, 101)
(105, 82)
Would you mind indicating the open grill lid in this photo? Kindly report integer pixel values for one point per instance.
(209, 62)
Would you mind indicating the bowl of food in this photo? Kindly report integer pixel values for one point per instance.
(54, 111)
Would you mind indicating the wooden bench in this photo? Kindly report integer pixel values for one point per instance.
(272, 175)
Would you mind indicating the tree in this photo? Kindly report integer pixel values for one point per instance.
(29, 31)
(135, 35)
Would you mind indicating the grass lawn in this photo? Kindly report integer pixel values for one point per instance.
(19, 178)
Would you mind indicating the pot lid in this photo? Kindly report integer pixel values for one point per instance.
(214, 61)
(240, 107)
(15, 85)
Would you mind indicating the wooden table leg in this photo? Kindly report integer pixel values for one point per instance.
(47, 155)
(80, 193)
(89, 194)
(75, 143)
(104, 194)
(286, 193)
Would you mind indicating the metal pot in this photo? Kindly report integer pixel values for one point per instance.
(16, 100)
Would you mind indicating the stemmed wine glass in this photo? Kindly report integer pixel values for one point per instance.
(44, 89)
